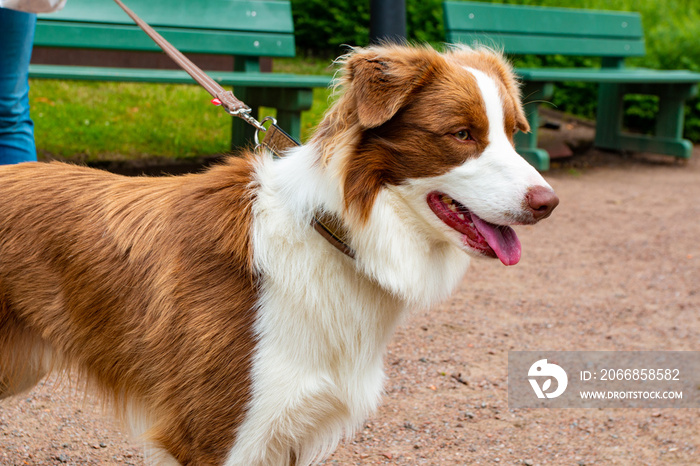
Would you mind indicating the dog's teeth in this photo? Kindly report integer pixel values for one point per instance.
(453, 208)
(461, 217)
(446, 200)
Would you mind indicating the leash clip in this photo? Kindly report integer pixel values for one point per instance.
(244, 114)
(262, 128)
(241, 112)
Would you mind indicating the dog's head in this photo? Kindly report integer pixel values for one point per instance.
(438, 128)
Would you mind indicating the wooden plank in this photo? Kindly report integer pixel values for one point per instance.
(117, 37)
(230, 15)
(545, 45)
(485, 17)
(602, 75)
(230, 78)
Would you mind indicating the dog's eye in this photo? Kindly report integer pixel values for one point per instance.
(463, 135)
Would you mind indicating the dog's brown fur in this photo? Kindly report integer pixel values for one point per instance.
(147, 285)
(81, 282)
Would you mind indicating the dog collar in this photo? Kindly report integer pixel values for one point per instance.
(327, 224)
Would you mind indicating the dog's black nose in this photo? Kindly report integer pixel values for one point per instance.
(541, 201)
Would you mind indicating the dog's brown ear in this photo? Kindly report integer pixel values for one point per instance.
(381, 79)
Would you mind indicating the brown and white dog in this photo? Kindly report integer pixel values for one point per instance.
(224, 328)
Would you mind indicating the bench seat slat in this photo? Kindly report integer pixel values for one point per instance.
(115, 37)
(230, 78)
(239, 15)
(545, 45)
(603, 75)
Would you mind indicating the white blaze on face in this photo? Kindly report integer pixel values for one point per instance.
(494, 107)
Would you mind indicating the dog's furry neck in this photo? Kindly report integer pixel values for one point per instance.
(392, 249)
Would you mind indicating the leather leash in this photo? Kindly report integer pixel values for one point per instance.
(222, 97)
(277, 141)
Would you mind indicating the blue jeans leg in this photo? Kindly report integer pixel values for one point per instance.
(16, 128)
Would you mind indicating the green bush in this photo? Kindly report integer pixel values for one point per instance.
(672, 29)
(324, 27)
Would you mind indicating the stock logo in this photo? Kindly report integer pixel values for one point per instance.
(542, 369)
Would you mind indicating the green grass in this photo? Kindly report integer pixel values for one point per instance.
(114, 121)
(97, 121)
(88, 121)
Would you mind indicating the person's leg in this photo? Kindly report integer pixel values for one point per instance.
(16, 128)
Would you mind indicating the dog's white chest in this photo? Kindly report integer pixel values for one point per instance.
(317, 370)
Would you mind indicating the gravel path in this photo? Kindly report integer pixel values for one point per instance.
(616, 267)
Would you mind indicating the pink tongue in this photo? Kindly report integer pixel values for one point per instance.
(503, 240)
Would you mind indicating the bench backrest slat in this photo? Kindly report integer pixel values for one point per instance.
(116, 37)
(539, 45)
(232, 27)
(538, 30)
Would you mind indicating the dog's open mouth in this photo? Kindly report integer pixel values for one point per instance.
(489, 239)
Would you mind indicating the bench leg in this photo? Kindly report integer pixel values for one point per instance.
(242, 132)
(290, 121)
(609, 117)
(668, 138)
(526, 143)
(669, 122)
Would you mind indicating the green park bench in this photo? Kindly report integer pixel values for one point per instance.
(244, 29)
(526, 30)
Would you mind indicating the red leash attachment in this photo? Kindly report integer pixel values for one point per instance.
(216, 102)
